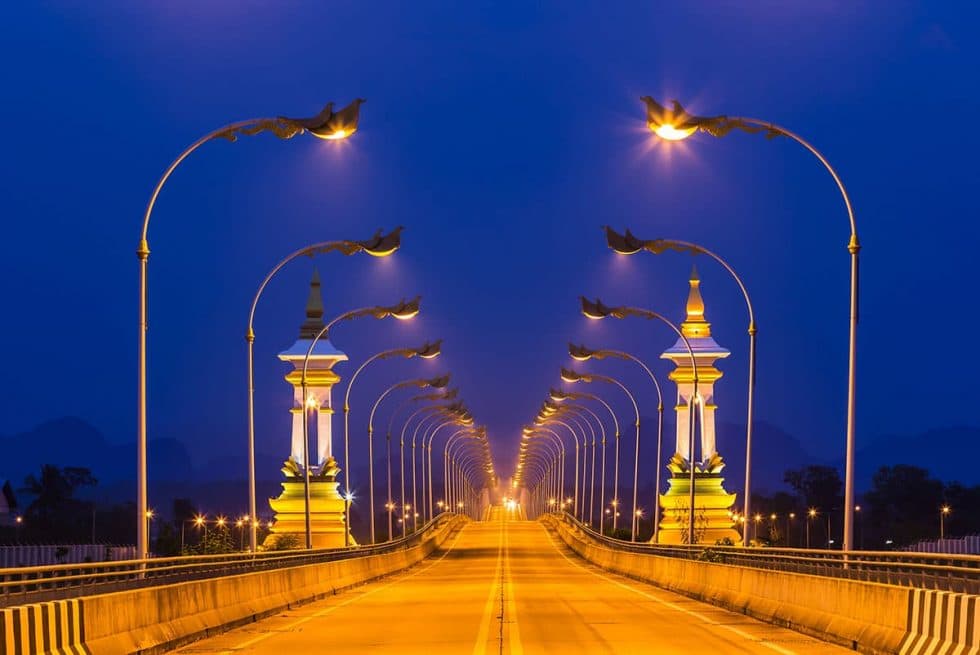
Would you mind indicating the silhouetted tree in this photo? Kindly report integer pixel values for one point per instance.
(904, 502)
(54, 514)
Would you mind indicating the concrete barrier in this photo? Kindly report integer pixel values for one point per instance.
(160, 618)
(864, 616)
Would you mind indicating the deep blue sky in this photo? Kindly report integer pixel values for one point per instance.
(502, 135)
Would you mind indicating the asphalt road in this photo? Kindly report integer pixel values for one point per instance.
(506, 586)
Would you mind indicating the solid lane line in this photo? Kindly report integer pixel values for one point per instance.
(666, 603)
(251, 642)
(510, 610)
(480, 647)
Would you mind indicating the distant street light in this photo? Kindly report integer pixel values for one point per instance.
(675, 124)
(325, 125)
(568, 375)
(943, 513)
(582, 354)
(439, 382)
(810, 515)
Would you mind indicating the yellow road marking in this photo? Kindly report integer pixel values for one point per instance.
(666, 603)
(324, 612)
(514, 632)
(480, 647)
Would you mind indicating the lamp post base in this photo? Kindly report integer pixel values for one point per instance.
(326, 513)
(712, 510)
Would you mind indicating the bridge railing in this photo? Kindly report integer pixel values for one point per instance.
(39, 583)
(956, 573)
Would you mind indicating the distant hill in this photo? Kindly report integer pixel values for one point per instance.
(947, 453)
(71, 441)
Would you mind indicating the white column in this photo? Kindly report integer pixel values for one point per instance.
(324, 433)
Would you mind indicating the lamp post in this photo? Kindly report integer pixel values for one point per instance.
(597, 311)
(943, 513)
(789, 524)
(325, 125)
(583, 354)
(627, 244)
(675, 124)
(426, 352)
(572, 376)
(558, 396)
(438, 383)
(432, 410)
(581, 411)
(810, 515)
(402, 311)
(380, 245)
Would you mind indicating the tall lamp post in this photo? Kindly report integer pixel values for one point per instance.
(627, 244)
(568, 375)
(438, 383)
(325, 125)
(943, 513)
(380, 245)
(597, 311)
(427, 351)
(675, 124)
(401, 311)
(583, 354)
(558, 396)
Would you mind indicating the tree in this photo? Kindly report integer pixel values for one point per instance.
(904, 502)
(816, 486)
(54, 514)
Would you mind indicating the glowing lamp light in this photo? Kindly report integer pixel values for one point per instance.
(349, 498)
(382, 245)
(671, 133)
(406, 310)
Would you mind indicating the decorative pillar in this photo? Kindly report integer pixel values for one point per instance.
(712, 504)
(326, 504)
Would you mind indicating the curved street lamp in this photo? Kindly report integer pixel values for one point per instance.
(380, 245)
(551, 414)
(583, 354)
(402, 311)
(422, 383)
(597, 311)
(426, 351)
(676, 123)
(559, 395)
(325, 125)
(580, 411)
(569, 375)
(627, 244)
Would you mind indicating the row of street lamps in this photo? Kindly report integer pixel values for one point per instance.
(674, 124)
(329, 125)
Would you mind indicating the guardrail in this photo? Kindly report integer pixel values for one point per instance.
(41, 583)
(956, 573)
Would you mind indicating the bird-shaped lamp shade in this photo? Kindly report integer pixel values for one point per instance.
(382, 245)
(404, 311)
(557, 395)
(569, 375)
(430, 350)
(623, 244)
(594, 309)
(580, 353)
(669, 124)
(440, 382)
(331, 125)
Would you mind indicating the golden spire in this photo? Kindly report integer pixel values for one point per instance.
(694, 326)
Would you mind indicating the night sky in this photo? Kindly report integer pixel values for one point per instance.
(502, 136)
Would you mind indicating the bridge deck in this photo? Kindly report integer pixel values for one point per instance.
(550, 601)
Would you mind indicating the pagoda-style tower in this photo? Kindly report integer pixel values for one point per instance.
(327, 507)
(711, 502)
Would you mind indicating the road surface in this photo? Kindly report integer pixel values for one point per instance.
(507, 586)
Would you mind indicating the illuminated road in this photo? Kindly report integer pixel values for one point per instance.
(550, 601)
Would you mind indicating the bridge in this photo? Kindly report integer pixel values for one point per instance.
(503, 584)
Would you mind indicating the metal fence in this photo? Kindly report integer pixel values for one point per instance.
(41, 583)
(49, 554)
(957, 573)
(968, 545)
